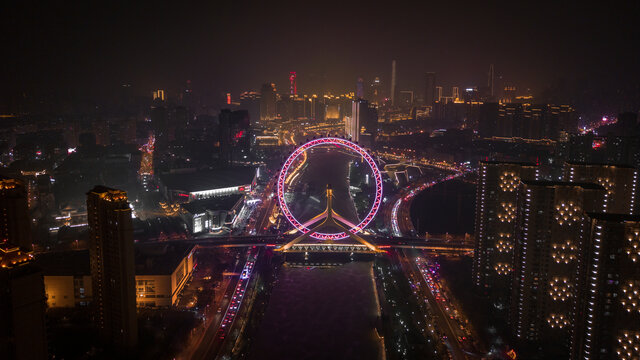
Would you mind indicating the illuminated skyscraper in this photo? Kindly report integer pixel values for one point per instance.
(495, 224)
(363, 122)
(619, 180)
(548, 263)
(455, 93)
(15, 228)
(375, 94)
(292, 84)
(112, 266)
(607, 321)
(268, 100)
(430, 88)
(158, 95)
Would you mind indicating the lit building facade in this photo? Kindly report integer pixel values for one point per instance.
(547, 257)
(495, 224)
(112, 265)
(608, 315)
(618, 180)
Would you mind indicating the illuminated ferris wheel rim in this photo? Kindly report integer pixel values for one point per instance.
(330, 141)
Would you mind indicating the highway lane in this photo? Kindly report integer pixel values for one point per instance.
(443, 321)
(207, 342)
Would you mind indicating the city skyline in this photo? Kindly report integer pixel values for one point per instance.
(580, 48)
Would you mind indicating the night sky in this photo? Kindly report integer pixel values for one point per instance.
(94, 47)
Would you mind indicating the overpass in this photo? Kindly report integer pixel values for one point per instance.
(275, 241)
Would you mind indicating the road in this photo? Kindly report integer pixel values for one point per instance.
(443, 320)
(206, 344)
(398, 213)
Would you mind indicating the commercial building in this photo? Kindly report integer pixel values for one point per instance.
(618, 180)
(112, 265)
(495, 224)
(607, 321)
(362, 125)
(67, 278)
(548, 266)
(204, 184)
(526, 121)
(212, 215)
(161, 273)
(15, 228)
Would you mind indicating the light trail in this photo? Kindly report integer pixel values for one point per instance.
(238, 295)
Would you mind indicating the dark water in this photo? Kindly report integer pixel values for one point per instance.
(320, 313)
(325, 167)
(447, 207)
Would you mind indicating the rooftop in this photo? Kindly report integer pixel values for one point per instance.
(216, 203)
(614, 217)
(580, 163)
(563, 183)
(160, 259)
(150, 259)
(495, 162)
(209, 179)
(71, 263)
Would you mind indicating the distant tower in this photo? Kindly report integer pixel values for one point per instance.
(112, 266)
(438, 96)
(430, 88)
(455, 93)
(268, 101)
(490, 80)
(292, 83)
(393, 82)
(360, 88)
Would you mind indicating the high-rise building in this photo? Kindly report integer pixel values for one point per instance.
(15, 228)
(455, 93)
(438, 97)
(233, 135)
(293, 87)
(495, 224)
(22, 309)
(393, 82)
(362, 125)
(112, 266)
(268, 100)
(375, 94)
(158, 95)
(360, 88)
(405, 99)
(430, 88)
(491, 80)
(607, 320)
(548, 267)
(618, 180)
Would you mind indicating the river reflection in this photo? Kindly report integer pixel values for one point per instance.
(320, 313)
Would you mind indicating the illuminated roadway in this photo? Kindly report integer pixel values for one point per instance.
(444, 322)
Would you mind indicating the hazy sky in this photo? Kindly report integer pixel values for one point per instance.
(92, 47)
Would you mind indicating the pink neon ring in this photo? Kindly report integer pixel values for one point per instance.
(335, 141)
